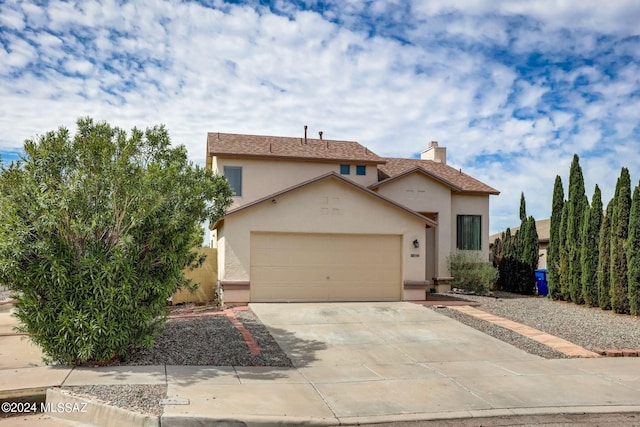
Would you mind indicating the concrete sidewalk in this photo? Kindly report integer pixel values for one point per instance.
(358, 363)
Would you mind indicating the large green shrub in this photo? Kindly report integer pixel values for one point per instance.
(470, 272)
(96, 230)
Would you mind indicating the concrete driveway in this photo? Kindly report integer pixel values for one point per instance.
(373, 362)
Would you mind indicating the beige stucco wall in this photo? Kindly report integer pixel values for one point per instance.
(423, 194)
(205, 277)
(261, 177)
(472, 205)
(327, 206)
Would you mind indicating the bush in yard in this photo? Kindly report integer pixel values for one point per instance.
(96, 231)
(470, 272)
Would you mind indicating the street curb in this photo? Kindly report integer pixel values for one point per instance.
(81, 410)
(35, 394)
(244, 421)
(486, 414)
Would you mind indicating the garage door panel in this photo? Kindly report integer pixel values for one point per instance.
(325, 267)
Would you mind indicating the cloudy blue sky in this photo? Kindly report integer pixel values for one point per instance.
(511, 88)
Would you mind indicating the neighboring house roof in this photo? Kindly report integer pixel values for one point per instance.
(330, 175)
(458, 181)
(280, 147)
(542, 228)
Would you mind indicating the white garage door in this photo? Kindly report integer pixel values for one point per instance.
(325, 267)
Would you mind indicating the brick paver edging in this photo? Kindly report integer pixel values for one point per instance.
(563, 346)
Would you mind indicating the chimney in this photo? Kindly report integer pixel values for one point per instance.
(305, 134)
(320, 133)
(435, 153)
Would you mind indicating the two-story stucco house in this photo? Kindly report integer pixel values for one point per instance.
(324, 220)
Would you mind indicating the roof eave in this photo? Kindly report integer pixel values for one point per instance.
(296, 158)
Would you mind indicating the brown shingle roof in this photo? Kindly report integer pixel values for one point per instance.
(542, 228)
(454, 178)
(229, 144)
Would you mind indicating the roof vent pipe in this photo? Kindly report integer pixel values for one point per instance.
(305, 134)
(320, 133)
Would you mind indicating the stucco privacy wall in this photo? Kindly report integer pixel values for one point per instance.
(261, 178)
(472, 205)
(325, 206)
(205, 276)
(422, 194)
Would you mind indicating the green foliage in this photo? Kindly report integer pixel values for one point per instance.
(589, 252)
(519, 256)
(633, 254)
(578, 205)
(530, 244)
(470, 272)
(553, 251)
(619, 233)
(523, 208)
(97, 229)
(563, 257)
(604, 260)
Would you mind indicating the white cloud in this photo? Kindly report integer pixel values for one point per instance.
(459, 72)
(11, 17)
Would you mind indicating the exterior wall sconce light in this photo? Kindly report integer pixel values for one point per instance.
(416, 244)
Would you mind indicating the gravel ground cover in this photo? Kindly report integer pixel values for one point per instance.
(591, 328)
(140, 398)
(212, 340)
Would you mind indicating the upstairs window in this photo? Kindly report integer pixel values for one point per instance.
(361, 170)
(234, 176)
(469, 232)
(345, 169)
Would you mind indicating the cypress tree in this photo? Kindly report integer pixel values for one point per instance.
(633, 253)
(604, 260)
(530, 256)
(507, 281)
(619, 233)
(553, 252)
(523, 209)
(590, 246)
(496, 251)
(578, 204)
(563, 257)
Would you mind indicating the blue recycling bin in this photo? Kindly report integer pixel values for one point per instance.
(541, 281)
